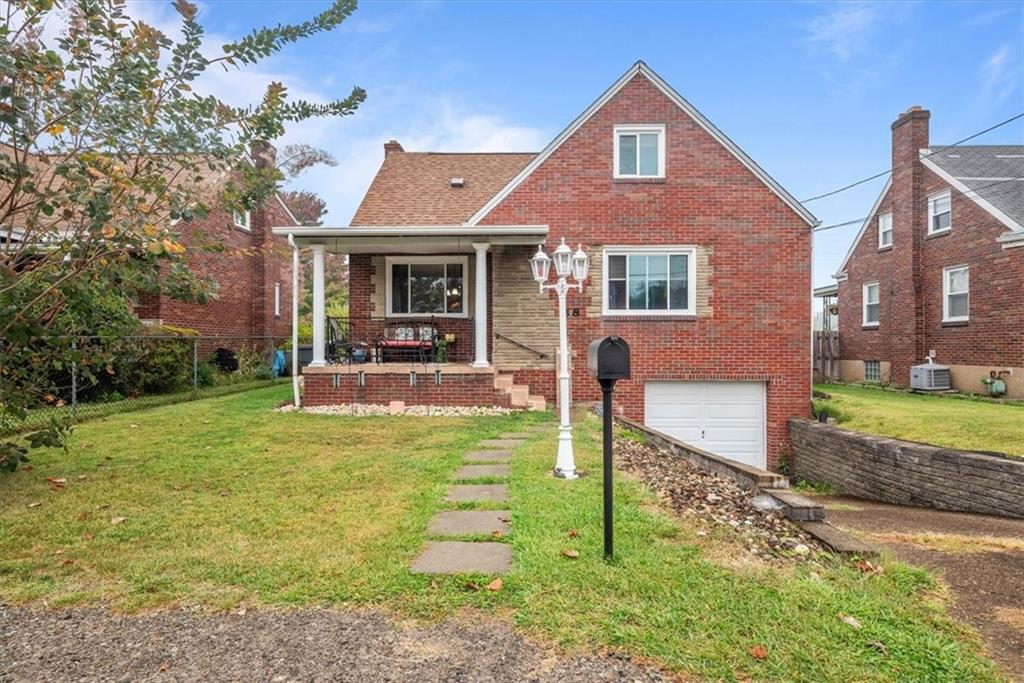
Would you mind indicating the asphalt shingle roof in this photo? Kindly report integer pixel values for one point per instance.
(413, 188)
(993, 172)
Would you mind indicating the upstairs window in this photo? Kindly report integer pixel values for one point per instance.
(426, 286)
(655, 281)
(242, 219)
(884, 230)
(956, 284)
(939, 212)
(871, 304)
(640, 151)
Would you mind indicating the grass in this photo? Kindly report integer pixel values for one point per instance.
(227, 503)
(954, 543)
(939, 420)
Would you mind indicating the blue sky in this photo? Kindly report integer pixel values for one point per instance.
(808, 90)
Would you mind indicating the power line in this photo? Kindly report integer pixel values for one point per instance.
(941, 149)
(967, 194)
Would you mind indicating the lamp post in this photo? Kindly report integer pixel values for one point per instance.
(566, 263)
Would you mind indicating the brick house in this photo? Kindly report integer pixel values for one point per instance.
(938, 266)
(253, 272)
(699, 259)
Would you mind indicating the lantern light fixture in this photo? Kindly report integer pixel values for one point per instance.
(563, 259)
(580, 264)
(540, 264)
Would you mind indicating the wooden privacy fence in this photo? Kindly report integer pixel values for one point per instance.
(826, 354)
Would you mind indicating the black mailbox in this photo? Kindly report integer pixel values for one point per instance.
(608, 358)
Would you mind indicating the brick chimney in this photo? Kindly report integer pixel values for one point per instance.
(392, 146)
(909, 216)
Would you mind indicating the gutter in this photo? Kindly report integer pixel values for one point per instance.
(295, 321)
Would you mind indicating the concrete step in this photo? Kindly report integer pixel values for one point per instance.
(796, 507)
(520, 394)
(536, 402)
(503, 382)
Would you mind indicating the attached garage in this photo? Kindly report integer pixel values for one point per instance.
(725, 418)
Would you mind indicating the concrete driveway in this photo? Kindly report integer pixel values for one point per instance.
(980, 557)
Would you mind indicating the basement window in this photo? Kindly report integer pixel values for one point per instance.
(640, 151)
(872, 371)
(940, 212)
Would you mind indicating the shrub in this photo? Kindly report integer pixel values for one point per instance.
(821, 407)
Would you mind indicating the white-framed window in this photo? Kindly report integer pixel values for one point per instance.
(639, 151)
(871, 304)
(427, 285)
(649, 281)
(872, 371)
(242, 219)
(277, 299)
(956, 285)
(940, 212)
(884, 230)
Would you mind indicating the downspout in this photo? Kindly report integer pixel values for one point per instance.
(295, 320)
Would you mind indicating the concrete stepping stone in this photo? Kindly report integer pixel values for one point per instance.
(516, 435)
(469, 523)
(471, 493)
(501, 443)
(461, 557)
(489, 456)
(481, 471)
(540, 428)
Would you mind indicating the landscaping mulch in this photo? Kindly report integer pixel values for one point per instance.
(282, 645)
(717, 503)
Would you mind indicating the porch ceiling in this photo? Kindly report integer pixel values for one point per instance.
(412, 239)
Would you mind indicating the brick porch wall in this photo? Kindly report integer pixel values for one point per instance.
(471, 389)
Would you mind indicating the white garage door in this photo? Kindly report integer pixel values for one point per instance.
(725, 418)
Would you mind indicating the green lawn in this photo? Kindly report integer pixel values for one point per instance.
(225, 503)
(941, 420)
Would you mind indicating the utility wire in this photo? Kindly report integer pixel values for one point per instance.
(943, 148)
(967, 194)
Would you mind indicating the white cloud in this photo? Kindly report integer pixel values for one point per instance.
(1001, 74)
(843, 30)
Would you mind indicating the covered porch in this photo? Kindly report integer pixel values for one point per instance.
(421, 312)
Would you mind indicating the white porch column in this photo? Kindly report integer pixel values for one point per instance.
(480, 308)
(319, 309)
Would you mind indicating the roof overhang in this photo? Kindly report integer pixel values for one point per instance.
(414, 239)
(826, 291)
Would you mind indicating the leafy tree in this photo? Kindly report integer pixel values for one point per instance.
(307, 206)
(104, 144)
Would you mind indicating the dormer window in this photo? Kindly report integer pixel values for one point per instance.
(939, 212)
(640, 151)
(242, 219)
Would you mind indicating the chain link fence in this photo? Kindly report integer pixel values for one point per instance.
(122, 374)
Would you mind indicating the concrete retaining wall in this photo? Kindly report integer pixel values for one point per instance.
(905, 472)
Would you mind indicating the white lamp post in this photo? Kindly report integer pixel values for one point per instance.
(566, 263)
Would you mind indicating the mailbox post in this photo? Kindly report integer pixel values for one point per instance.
(608, 362)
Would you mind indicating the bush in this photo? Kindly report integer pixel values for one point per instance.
(158, 360)
(821, 407)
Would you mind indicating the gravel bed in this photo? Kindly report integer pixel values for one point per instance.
(716, 502)
(282, 645)
(364, 409)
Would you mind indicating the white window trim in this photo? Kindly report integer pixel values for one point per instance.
(243, 225)
(881, 244)
(277, 299)
(946, 318)
(864, 305)
(419, 260)
(633, 129)
(931, 215)
(673, 250)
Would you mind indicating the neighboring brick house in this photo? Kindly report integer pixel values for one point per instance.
(938, 266)
(253, 272)
(699, 260)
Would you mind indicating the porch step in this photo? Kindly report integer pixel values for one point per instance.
(520, 394)
(536, 402)
(503, 382)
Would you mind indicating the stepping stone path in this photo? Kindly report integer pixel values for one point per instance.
(474, 557)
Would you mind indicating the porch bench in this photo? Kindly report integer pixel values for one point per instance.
(412, 343)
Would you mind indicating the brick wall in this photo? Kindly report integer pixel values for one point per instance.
(910, 276)
(471, 389)
(907, 473)
(754, 323)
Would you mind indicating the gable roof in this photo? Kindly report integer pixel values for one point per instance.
(641, 69)
(413, 188)
(990, 175)
(864, 227)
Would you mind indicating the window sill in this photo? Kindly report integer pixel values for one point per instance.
(885, 248)
(955, 323)
(940, 233)
(424, 316)
(870, 326)
(640, 318)
(639, 181)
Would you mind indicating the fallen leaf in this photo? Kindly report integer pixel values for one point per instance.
(471, 586)
(87, 536)
(433, 585)
(58, 551)
(27, 468)
(496, 534)
(117, 520)
(177, 487)
(34, 505)
(879, 646)
(67, 562)
(134, 426)
(82, 477)
(758, 652)
(163, 666)
(496, 585)
(850, 621)
(571, 554)
(573, 533)
(865, 567)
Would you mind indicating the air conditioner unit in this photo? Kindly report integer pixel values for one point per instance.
(930, 377)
